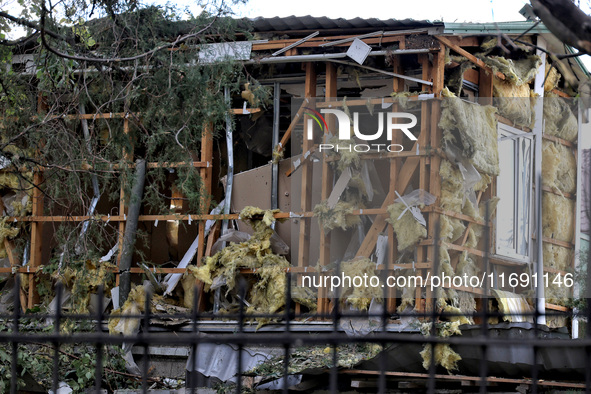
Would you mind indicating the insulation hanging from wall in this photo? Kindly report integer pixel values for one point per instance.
(267, 295)
(559, 167)
(558, 217)
(552, 77)
(515, 102)
(473, 128)
(518, 72)
(557, 257)
(406, 219)
(360, 297)
(559, 120)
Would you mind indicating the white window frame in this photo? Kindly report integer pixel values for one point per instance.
(523, 196)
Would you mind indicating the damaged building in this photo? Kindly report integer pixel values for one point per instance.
(474, 172)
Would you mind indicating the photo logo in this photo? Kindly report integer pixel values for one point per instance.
(390, 121)
(318, 118)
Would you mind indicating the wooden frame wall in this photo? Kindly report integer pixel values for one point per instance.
(418, 163)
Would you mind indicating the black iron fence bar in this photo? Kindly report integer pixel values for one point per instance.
(315, 339)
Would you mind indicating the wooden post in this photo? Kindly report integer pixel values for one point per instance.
(485, 88)
(206, 173)
(36, 238)
(424, 176)
(397, 86)
(128, 157)
(327, 178)
(435, 160)
(306, 189)
(306, 199)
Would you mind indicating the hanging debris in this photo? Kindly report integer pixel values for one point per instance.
(472, 127)
(317, 359)
(559, 167)
(407, 220)
(552, 77)
(444, 354)
(360, 297)
(557, 217)
(515, 102)
(456, 78)
(267, 295)
(514, 307)
(559, 120)
(408, 293)
(518, 72)
(557, 257)
(84, 280)
(341, 216)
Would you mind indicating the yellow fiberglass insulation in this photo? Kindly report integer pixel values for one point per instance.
(359, 297)
(268, 294)
(444, 355)
(457, 314)
(557, 257)
(9, 181)
(557, 217)
(6, 231)
(134, 305)
(445, 261)
(556, 293)
(559, 168)
(556, 321)
(402, 98)
(305, 296)
(552, 78)
(466, 265)
(408, 230)
(476, 230)
(451, 187)
(514, 102)
(512, 306)
(86, 280)
(519, 72)
(476, 128)
(559, 120)
(348, 157)
(453, 193)
(338, 217)
(464, 301)
(451, 229)
(408, 293)
(277, 155)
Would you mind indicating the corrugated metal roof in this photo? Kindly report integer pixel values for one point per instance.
(309, 22)
(494, 28)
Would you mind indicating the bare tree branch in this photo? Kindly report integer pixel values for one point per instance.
(566, 21)
(173, 44)
(34, 26)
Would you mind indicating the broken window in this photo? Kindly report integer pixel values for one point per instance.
(514, 188)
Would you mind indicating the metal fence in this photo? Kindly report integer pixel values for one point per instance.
(288, 339)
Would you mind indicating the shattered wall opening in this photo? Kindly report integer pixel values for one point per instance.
(292, 208)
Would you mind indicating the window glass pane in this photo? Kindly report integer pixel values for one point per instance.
(506, 193)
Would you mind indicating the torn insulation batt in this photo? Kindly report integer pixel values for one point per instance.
(557, 217)
(559, 120)
(341, 216)
(267, 295)
(472, 127)
(559, 168)
(518, 72)
(514, 102)
(359, 297)
(407, 229)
